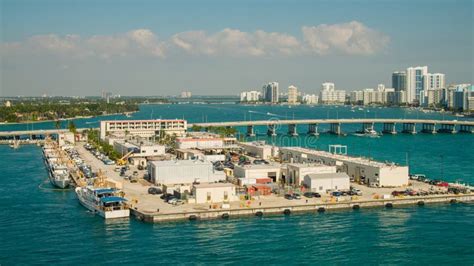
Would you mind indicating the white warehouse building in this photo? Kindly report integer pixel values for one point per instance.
(372, 173)
(214, 193)
(183, 172)
(297, 171)
(327, 181)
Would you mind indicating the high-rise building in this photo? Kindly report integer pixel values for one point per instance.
(414, 83)
(310, 99)
(292, 95)
(186, 94)
(433, 81)
(250, 96)
(399, 80)
(330, 95)
(270, 92)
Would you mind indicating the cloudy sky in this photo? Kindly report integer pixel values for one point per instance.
(222, 47)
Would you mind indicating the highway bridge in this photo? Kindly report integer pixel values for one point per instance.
(389, 126)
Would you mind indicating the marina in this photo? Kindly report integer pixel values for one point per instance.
(151, 208)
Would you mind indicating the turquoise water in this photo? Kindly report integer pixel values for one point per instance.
(41, 225)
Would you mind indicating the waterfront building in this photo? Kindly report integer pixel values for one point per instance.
(147, 129)
(292, 95)
(433, 81)
(138, 151)
(297, 171)
(250, 96)
(414, 83)
(193, 154)
(259, 171)
(259, 149)
(329, 95)
(310, 99)
(270, 92)
(214, 193)
(399, 80)
(205, 140)
(186, 94)
(372, 173)
(434, 97)
(173, 172)
(357, 97)
(323, 182)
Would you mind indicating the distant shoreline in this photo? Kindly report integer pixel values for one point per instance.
(62, 119)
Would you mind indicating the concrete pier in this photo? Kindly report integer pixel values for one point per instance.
(466, 129)
(271, 130)
(448, 128)
(292, 130)
(367, 126)
(428, 128)
(409, 128)
(250, 131)
(313, 129)
(155, 217)
(335, 128)
(389, 128)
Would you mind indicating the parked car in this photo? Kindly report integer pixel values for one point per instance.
(288, 196)
(260, 161)
(154, 191)
(296, 196)
(316, 195)
(308, 194)
(177, 202)
(336, 193)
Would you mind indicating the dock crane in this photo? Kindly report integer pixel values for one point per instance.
(123, 160)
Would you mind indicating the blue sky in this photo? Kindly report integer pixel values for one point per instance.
(223, 47)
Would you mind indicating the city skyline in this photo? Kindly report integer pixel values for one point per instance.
(162, 49)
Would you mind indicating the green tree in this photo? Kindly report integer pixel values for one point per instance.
(72, 127)
(57, 124)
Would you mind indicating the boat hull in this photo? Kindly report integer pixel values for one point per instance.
(110, 214)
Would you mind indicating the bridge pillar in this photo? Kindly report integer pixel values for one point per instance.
(409, 128)
(250, 131)
(313, 129)
(335, 128)
(465, 129)
(389, 128)
(292, 130)
(454, 131)
(271, 130)
(428, 128)
(369, 126)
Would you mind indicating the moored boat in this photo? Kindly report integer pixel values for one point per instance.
(107, 202)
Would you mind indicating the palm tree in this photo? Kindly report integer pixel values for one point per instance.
(57, 124)
(72, 126)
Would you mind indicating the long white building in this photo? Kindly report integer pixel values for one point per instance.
(142, 128)
(250, 96)
(359, 169)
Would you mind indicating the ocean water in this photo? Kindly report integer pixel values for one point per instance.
(41, 225)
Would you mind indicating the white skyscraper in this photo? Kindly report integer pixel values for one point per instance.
(433, 81)
(330, 95)
(292, 95)
(250, 96)
(415, 83)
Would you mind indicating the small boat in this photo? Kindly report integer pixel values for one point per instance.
(107, 202)
(59, 175)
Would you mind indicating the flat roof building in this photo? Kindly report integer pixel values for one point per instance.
(297, 171)
(205, 141)
(372, 173)
(183, 172)
(214, 193)
(259, 149)
(142, 128)
(324, 182)
(258, 171)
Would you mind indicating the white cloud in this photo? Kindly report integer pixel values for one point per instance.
(353, 38)
(348, 38)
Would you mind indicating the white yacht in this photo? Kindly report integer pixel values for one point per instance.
(58, 173)
(104, 201)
